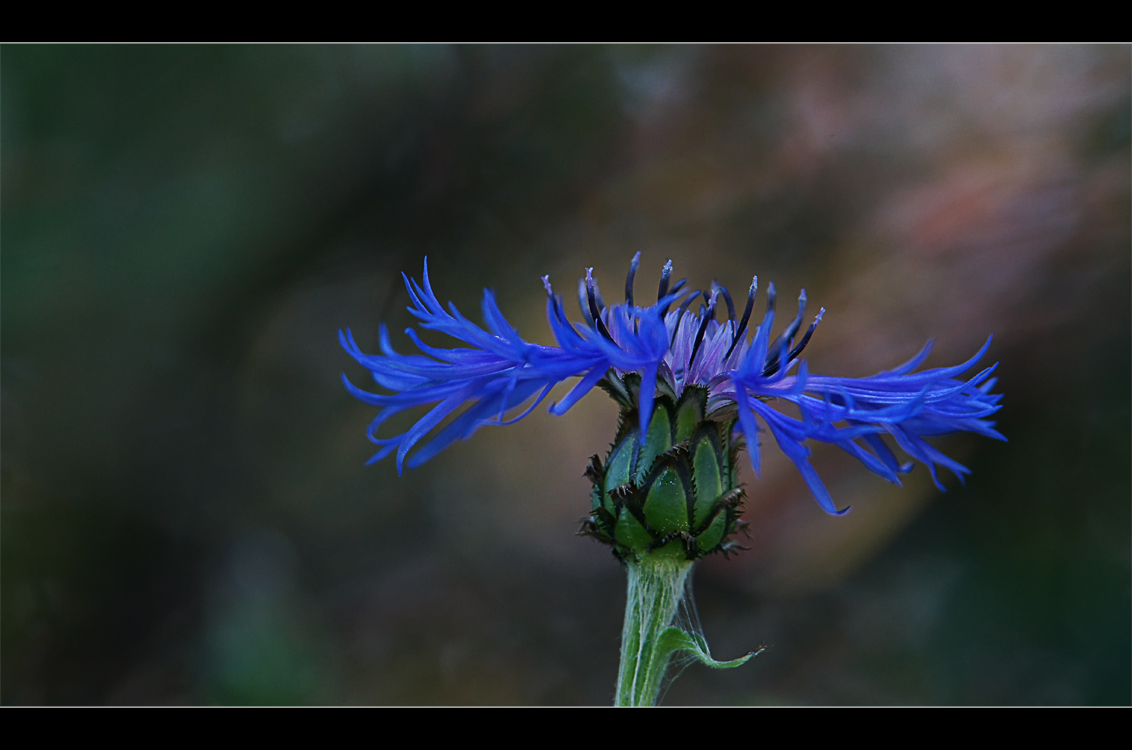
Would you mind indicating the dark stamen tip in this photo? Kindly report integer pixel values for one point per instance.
(777, 356)
(633, 266)
(686, 304)
(709, 315)
(742, 327)
(583, 302)
(603, 330)
(665, 277)
(595, 304)
(806, 337)
(592, 294)
(730, 303)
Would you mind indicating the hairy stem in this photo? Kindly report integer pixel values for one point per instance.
(656, 588)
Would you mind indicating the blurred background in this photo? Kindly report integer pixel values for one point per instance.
(187, 516)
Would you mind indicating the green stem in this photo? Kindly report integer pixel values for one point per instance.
(656, 588)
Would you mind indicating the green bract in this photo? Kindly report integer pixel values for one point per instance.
(674, 494)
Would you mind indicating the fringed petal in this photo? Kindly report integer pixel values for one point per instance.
(494, 371)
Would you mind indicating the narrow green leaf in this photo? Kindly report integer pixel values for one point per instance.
(675, 639)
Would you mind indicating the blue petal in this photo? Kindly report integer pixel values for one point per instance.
(908, 405)
(800, 455)
(584, 386)
(645, 401)
(750, 429)
(494, 370)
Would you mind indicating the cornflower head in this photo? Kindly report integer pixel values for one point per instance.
(693, 391)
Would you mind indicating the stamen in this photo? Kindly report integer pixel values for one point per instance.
(709, 301)
(771, 297)
(686, 303)
(746, 317)
(709, 315)
(556, 301)
(792, 330)
(591, 282)
(669, 292)
(783, 342)
(806, 338)
(596, 305)
(629, 279)
(730, 305)
(665, 276)
(583, 302)
(591, 295)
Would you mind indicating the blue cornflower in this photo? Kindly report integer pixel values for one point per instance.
(670, 347)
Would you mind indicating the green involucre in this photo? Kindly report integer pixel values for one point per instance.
(675, 495)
